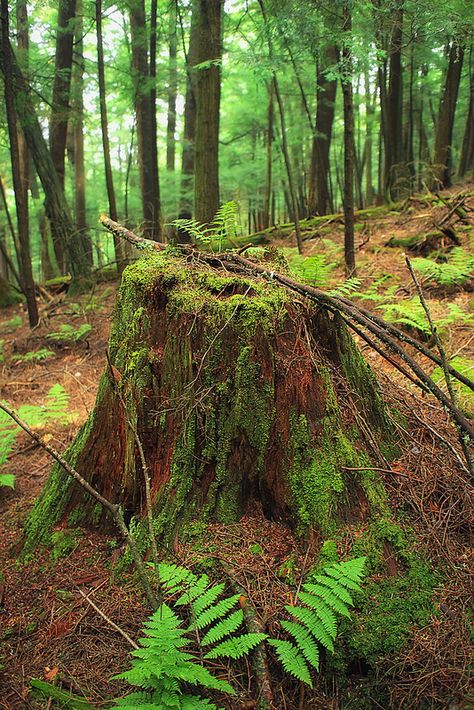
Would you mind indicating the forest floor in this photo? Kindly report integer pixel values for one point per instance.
(49, 631)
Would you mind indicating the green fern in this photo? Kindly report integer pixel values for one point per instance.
(315, 270)
(34, 355)
(457, 270)
(36, 416)
(465, 396)
(315, 618)
(347, 288)
(410, 312)
(224, 225)
(163, 663)
(68, 334)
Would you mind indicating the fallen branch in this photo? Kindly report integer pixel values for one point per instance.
(108, 620)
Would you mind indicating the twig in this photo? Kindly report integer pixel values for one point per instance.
(444, 359)
(114, 510)
(108, 620)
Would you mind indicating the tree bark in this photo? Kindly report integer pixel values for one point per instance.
(186, 201)
(172, 87)
(269, 137)
(207, 93)
(78, 138)
(466, 161)
(318, 194)
(62, 228)
(20, 188)
(146, 122)
(447, 110)
(104, 125)
(393, 135)
(60, 111)
(346, 81)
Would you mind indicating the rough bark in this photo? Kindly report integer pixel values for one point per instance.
(346, 81)
(20, 183)
(393, 142)
(466, 161)
(104, 125)
(189, 132)
(447, 110)
(232, 402)
(207, 93)
(318, 194)
(269, 137)
(172, 87)
(144, 109)
(60, 111)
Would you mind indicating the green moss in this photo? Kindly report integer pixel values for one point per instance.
(63, 542)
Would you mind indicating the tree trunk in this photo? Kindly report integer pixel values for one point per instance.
(369, 117)
(62, 228)
(186, 201)
(447, 110)
(393, 140)
(269, 137)
(144, 110)
(78, 139)
(466, 161)
(318, 197)
(172, 87)
(346, 81)
(104, 125)
(18, 161)
(208, 92)
(225, 421)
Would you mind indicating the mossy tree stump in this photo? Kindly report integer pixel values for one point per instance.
(238, 392)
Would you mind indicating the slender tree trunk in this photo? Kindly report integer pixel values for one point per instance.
(409, 158)
(424, 158)
(393, 170)
(172, 87)
(369, 116)
(157, 228)
(208, 92)
(444, 128)
(146, 123)
(21, 195)
(466, 162)
(78, 138)
(104, 124)
(269, 137)
(349, 250)
(318, 191)
(189, 134)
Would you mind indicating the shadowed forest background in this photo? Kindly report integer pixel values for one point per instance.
(236, 277)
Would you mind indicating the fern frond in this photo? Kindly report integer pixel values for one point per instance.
(236, 647)
(292, 660)
(347, 288)
(223, 628)
(313, 623)
(196, 590)
(305, 641)
(198, 675)
(174, 577)
(216, 611)
(336, 588)
(193, 228)
(321, 609)
(327, 595)
(208, 598)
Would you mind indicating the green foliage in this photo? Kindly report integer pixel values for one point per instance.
(465, 396)
(316, 617)
(457, 270)
(69, 334)
(409, 312)
(224, 225)
(313, 269)
(13, 323)
(347, 288)
(36, 416)
(34, 355)
(162, 664)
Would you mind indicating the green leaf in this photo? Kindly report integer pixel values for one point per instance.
(236, 647)
(292, 660)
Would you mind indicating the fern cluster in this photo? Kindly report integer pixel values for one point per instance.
(225, 225)
(465, 396)
(34, 355)
(69, 334)
(457, 270)
(36, 416)
(162, 664)
(410, 312)
(315, 618)
(315, 269)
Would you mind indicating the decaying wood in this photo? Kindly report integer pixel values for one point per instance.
(390, 336)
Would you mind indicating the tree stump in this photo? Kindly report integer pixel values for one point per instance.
(238, 392)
